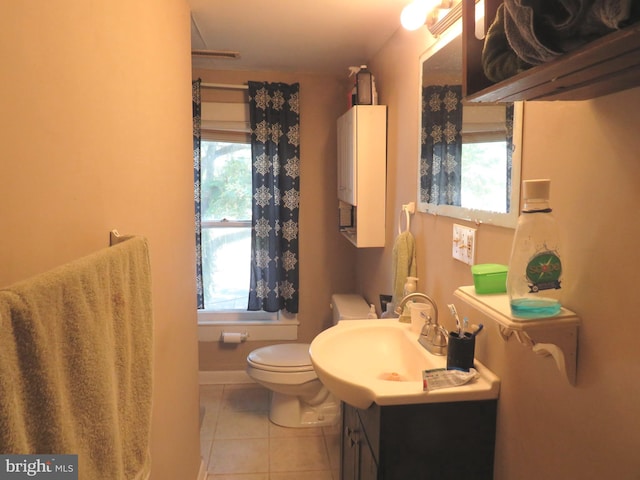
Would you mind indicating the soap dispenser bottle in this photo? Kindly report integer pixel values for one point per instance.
(410, 286)
(535, 268)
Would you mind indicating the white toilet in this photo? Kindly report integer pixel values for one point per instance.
(298, 398)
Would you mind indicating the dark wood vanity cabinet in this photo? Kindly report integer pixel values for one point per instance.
(439, 441)
(357, 460)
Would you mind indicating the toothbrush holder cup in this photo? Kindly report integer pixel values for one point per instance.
(461, 351)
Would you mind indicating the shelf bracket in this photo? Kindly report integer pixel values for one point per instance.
(556, 337)
(559, 342)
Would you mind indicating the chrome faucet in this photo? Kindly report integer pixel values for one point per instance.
(433, 337)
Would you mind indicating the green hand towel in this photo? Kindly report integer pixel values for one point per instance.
(403, 263)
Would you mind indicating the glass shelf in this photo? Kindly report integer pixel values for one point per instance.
(556, 336)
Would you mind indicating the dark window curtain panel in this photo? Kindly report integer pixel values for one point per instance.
(510, 148)
(196, 106)
(275, 149)
(441, 145)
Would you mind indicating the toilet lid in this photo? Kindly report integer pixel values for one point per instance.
(289, 356)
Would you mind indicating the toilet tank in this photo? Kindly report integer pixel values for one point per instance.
(348, 306)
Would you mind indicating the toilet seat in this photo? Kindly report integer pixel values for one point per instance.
(286, 358)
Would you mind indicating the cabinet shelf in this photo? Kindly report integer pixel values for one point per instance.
(556, 336)
(606, 65)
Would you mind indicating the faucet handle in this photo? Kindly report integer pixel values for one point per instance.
(440, 336)
(434, 338)
(427, 330)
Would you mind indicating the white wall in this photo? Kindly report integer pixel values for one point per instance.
(95, 134)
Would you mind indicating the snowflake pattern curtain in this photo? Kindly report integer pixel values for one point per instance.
(196, 108)
(441, 145)
(510, 147)
(275, 150)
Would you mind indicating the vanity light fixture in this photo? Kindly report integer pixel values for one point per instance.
(438, 15)
(421, 12)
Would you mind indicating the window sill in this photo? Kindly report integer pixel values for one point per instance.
(258, 325)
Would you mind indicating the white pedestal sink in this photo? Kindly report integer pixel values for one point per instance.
(381, 361)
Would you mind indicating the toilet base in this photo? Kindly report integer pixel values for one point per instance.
(289, 411)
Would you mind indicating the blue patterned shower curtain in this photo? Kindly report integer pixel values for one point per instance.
(441, 145)
(275, 149)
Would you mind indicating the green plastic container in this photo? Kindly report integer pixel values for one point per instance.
(490, 278)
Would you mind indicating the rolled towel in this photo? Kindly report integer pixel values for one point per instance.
(539, 30)
(605, 16)
(499, 61)
(534, 29)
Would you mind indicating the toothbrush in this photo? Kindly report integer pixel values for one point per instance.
(478, 330)
(454, 313)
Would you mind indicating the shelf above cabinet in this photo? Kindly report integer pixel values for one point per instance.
(607, 65)
(556, 336)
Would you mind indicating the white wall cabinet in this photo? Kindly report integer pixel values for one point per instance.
(362, 174)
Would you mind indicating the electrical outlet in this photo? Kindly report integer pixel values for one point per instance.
(464, 244)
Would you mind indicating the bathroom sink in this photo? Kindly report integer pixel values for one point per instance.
(381, 361)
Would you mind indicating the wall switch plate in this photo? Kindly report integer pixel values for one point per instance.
(464, 244)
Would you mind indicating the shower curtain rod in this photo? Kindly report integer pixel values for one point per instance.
(225, 86)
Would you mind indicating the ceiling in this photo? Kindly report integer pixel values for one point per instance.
(311, 36)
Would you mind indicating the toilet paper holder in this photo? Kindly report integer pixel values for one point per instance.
(233, 337)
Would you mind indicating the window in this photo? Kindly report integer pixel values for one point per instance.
(485, 168)
(480, 185)
(226, 223)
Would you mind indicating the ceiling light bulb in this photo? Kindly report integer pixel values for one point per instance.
(414, 15)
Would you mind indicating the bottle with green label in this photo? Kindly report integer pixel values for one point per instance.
(534, 279)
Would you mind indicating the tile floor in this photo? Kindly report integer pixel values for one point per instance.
(238, 442)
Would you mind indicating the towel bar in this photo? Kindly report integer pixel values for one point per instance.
(115, 237)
